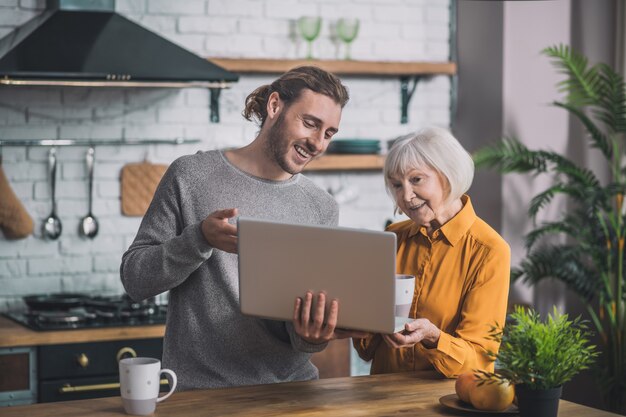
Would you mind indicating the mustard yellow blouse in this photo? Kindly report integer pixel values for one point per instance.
(461, 286)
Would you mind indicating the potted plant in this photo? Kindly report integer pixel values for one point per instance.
(590, 260)
(539, 357)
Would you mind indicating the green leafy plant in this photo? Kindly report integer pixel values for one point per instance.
(590, 260)
(537, 354)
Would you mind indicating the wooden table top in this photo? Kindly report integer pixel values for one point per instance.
(404, 394)
(13, 334)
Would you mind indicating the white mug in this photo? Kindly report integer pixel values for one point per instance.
(405, 287)
(139, 384)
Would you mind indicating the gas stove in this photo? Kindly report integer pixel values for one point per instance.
(81, 311)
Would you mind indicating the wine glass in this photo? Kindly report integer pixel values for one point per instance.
(347, 29)
(309, 28)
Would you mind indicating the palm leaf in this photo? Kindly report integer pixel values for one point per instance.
(564, 263)
(582, 84)
(582, 227)
(614, 188)
(509, 155)
(576, 174)
(603, 197)
(611, 105)
(589, 236)
(549, 228)
(544, 198)
(598, 139)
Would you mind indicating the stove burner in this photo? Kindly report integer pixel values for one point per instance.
(60, 301)
(96, 311)
(118, 302)
(142, 312)
(126, 313)
(74, 315)
(60, 317)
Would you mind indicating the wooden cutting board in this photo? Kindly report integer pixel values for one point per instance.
(139, 182)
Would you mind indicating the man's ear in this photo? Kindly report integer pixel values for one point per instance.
(274, 105)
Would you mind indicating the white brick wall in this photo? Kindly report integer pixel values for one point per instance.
(399, 30)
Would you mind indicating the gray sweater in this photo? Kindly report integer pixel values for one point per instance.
(208, 342)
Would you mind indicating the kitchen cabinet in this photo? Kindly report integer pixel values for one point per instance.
(18, 376)
(44, 366)
(71, 371)
(334, 361)
(75, 371)
(59, 365)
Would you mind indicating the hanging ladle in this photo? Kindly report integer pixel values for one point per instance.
(89, 224)
(52, 225)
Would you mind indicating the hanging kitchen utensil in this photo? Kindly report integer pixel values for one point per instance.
(139, 182)
(15, 221)
(89, 225)
(52, 225)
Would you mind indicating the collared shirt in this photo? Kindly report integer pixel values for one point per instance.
(462, 276)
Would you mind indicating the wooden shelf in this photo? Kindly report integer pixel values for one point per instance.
(334, 162)
(372, 68)
(405, 71)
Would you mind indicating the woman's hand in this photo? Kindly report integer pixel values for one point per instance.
(420, 330)
(311, 325)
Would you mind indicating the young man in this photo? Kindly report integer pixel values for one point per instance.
(187, 241)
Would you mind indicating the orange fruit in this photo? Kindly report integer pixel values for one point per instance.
(492, 396)
(464, 384)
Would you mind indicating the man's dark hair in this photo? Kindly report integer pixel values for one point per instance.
(290, 86)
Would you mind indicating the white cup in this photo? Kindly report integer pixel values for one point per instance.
(405, 287)
(139, 384)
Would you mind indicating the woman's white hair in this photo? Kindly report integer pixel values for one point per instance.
(436, 148)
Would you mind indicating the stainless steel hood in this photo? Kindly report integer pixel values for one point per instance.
(85, 43)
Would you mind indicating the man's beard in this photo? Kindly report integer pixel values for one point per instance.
(278, 145)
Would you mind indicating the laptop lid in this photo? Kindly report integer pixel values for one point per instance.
(279, 262)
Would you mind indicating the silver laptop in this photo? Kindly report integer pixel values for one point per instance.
(279, 262)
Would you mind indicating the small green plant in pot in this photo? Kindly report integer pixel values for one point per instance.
(539, 357)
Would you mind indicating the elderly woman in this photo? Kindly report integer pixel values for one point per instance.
(461, 265)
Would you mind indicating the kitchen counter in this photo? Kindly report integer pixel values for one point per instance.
(406, 394)
(13, 334)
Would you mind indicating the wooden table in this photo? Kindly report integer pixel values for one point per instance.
(407, 394)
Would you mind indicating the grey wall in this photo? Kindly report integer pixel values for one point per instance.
(478, 118)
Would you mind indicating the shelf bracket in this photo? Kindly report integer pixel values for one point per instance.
(215, 104)
(406, 93)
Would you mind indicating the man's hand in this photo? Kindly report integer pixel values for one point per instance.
(311, 325)
(218, 232)
(420, 330)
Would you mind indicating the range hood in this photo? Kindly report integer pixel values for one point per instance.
(85, 43)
